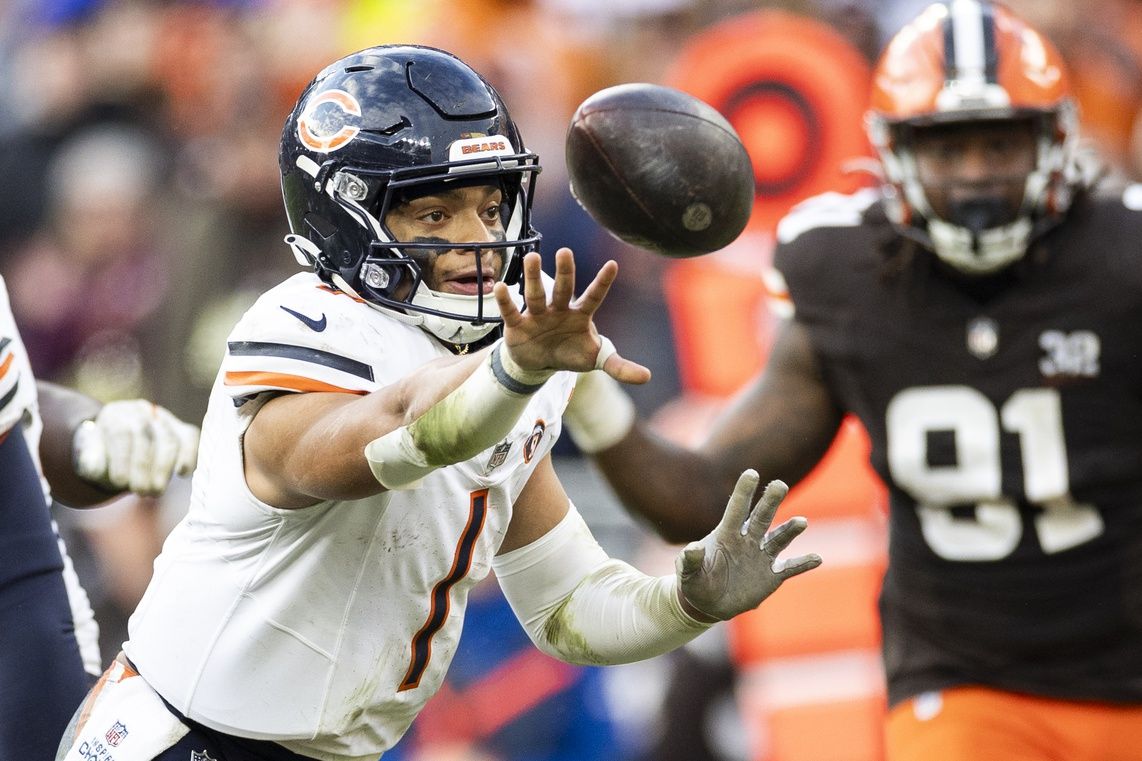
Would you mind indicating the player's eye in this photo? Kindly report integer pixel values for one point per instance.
(432, 216)
(948, 151)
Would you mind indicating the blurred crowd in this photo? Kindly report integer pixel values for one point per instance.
(140, 208)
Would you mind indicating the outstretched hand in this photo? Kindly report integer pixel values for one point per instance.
(560, 334)
(736, 566)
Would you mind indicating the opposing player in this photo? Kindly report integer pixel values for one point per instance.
(49, 653)
(980, 314)
(373, 448)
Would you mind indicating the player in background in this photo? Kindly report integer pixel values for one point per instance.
(49, 654)
(981, 314)
(378, 440)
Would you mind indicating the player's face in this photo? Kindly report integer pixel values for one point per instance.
(974, 174)
(463, 214)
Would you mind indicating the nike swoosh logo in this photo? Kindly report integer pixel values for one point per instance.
(315, 325)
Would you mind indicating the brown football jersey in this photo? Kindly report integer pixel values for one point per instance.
(1006, 418)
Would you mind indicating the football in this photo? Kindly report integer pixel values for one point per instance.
(660, 169)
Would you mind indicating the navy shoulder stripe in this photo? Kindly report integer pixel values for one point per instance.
(302, 353)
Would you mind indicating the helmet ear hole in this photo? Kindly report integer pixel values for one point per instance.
(320, 225)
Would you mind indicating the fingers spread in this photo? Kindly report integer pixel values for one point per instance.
(508, 310)
(787, 569)
(534, 295)
(766, 507)
(593, 295)
(781, 537)
(737, 509)
(564, 287)
(625, 371)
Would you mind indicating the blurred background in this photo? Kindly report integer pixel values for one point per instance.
(140, 214)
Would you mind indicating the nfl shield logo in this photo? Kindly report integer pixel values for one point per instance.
(983, 337)
(116, 734)
(203, 756)
(499, 455)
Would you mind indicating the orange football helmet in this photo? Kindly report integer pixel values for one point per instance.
(968, 61)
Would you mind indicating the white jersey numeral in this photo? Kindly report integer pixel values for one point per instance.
(915, 415)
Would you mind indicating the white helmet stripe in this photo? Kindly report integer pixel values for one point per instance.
(966, 33)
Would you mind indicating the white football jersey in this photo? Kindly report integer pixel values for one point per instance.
(326, 628)
(19, 403)
(18, 400)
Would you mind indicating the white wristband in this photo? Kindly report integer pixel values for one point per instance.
(600, 413)
(606, 350)
(513, 377)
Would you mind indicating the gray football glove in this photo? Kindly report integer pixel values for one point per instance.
(736, 566)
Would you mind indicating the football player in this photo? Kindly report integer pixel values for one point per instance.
(378, 440)
(49, 653)
(981, 314)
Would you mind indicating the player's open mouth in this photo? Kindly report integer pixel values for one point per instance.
(468, 286)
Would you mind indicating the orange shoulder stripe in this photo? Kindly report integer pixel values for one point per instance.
(282, 380)
(338, 292)
(6, 365)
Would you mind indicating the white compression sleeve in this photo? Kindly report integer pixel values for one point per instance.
(599, 414)
(581, 606)
(474, 416)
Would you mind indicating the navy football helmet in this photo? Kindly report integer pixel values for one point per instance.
(385, 123)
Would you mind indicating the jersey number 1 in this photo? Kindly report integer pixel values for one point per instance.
(976, 477)
(441, 592)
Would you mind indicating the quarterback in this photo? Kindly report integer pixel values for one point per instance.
(378, 440)
(88, 453)
(981, 315)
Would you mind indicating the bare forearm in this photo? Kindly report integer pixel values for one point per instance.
(62, 410)
(679, 492)
(780, 427)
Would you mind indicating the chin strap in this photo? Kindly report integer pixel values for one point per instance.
(304, 250)
(980, 253)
